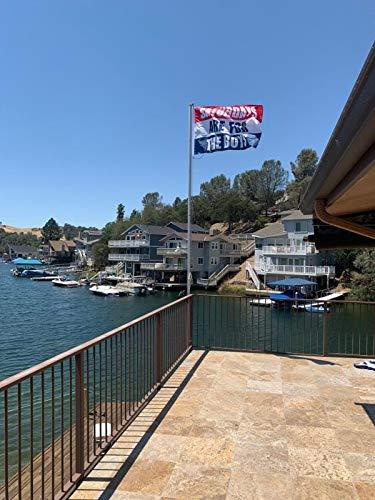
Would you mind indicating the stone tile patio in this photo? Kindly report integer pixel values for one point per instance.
(242, 426)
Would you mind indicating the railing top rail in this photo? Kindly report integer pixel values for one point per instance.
(34, 370)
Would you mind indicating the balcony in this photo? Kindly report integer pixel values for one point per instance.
(303, 270)
(229, 252)
(161, 266)
(172, 251)
(208, 394)
(128, 243)
(288, 250)
(128, 257)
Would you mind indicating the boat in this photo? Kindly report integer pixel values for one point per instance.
(37, 273)
(65, 283)
(262, 302)
(24, 265)
(108, 291)
(44, 278)
(314, 307)
(135, 288)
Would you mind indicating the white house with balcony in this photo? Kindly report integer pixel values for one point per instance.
(281, 250)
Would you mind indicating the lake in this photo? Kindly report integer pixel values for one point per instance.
(39, 320)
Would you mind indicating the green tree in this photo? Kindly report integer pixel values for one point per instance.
(272, 182)
(120, 211)
(51, 231)
(247, 184)
(363, 282)
(135, 216)
(100, 254)
(153, 200)
(213, 196)
(303, 169)
(305, 164)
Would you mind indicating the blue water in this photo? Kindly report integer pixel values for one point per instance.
(39, 320)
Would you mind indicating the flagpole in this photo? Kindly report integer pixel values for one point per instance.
(190, 174)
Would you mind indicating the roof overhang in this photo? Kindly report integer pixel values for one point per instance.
(342, 190)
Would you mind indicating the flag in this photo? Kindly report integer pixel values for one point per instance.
(222, 128)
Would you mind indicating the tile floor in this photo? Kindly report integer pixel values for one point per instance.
(243, 426)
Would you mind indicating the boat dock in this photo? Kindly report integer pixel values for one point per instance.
(44, 278)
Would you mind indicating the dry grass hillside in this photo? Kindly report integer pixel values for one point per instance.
(12, 229)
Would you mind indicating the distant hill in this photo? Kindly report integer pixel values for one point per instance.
(27, 230)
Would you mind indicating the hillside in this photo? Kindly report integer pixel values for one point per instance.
(27, 230)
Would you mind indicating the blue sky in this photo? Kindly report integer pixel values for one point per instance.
(94, 95)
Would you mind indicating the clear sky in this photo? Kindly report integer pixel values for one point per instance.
(94, 95)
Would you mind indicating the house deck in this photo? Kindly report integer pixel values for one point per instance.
(242, 425)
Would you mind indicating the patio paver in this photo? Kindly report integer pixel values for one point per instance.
(247, 425)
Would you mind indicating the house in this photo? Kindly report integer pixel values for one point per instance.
(161, 252)
(24, 251)
(138, 245)
(212, 257)
(85, 243)
(342, 192)
(281, 250)
(62, 250)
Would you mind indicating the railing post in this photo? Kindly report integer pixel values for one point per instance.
(159, 348)
(80, 413)
(325, 330)
(189, 340)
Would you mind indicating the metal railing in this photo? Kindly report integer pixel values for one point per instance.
(219, 274)
(128, 243)
(128, 257)
(253, 275)
(294, 326)
(161, 266)
(231, 252)
(290, 269)
(286, 249)
(171, 251)
(58, 417)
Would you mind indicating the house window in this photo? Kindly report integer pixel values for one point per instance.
(214, 246)
(221, 246)
(214, 261)
(298, 227)
(200, 244)
(200, 261)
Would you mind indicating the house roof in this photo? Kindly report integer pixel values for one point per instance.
(297, 215)
(270, 230)
(93, 232)
(62, 245)
(184, 227)
(22, 249)
(345, 177)
(151, 229)
(184, 236)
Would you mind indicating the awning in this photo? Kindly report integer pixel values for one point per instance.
(27, 262)
(341, 194)
(291, 282)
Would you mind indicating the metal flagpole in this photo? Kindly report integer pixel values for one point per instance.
(188, 270)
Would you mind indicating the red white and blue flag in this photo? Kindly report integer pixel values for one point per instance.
(223, 128)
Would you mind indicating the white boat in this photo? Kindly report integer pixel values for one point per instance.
(65, 283)
(108, 291)
(314, 307)
(134, 288)
(262, 302)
